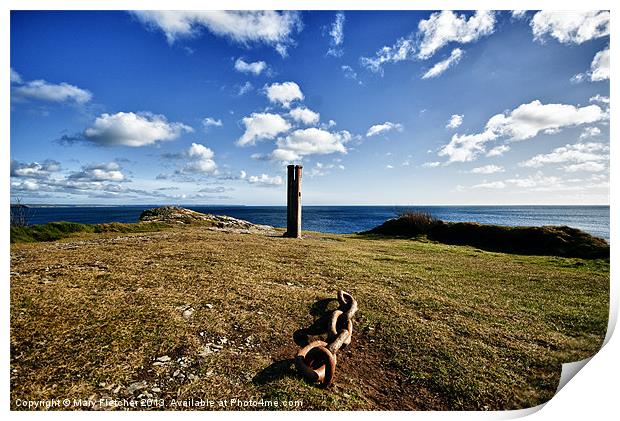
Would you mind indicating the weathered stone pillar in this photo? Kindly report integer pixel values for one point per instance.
(293, 201)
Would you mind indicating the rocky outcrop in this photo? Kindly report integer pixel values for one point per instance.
(178, 215)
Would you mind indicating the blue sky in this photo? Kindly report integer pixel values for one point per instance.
(380, 107)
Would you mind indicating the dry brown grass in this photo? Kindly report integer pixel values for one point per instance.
(439, 327)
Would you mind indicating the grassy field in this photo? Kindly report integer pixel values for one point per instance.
(438, 326)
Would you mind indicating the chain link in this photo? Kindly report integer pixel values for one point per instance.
(317, 360)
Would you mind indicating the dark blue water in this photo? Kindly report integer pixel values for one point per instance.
(349, 219)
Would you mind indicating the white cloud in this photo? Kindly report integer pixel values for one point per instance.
(336, 33)
(600, 99)
(590, 132)
(524, 122)
(245, 88)
(444, 27)
(403, 49)
(268, 27)
(518, 14)
(304, 115)
(310, 141)
(570, 26)
(284, 93)
(490, 185)
(463, 148)
(599, 69)
(498, 150)
(34, 169)
(537, 182)
(455, 121)
(527, 120)
(15, 77)
(431, 164)
(210, 121)
(255, 68)
(433, 33)
(262, 126)
(265, 180)
(578, 78)
(383, 128)
(200, 160)
(572, 153)
(444, 65)
(349, 73)
(131, 129)
(585, 167)
(487, 169)
(45, 91)
(389, 167)
(99, 172)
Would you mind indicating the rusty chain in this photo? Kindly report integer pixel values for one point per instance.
(317, 360)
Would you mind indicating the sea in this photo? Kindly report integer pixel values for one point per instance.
(349, 219)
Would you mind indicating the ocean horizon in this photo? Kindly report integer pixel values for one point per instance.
(346, 219)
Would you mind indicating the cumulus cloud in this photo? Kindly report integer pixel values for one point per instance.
(260, 126)
(310, 141)
(336, 33)
(524, 122)
(599, 69)
(433, 164)
(444, 65)
(132, 129)
(304, 115)
(571, 153)
(585, 167)
(265, 180)
(518, 14)
(444, 27)
(34, 169)
(45, 91)
(15, 77)
(284, 93)
(590, 132)
(570, 26)
(99, 172)
(527, 120)
(455, 121)
(487, 169)
(463, 148)
(440, 29)
(383, 128)
(403, 49)
(200, 160)
(600, 99)
(210, 121)
(256, 67)
(244, 27)
(498, 150)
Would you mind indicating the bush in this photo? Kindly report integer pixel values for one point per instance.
(547, 240)
(408, 224)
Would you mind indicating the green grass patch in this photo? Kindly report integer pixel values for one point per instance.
(53, 231)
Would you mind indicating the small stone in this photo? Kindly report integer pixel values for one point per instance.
(134, 387)
(176, 373)
(163, 359)
(289, 284)
(156, 390)
(209, 306)
(260, 312)
(102, 384)
(118, 389)
(187, 314)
